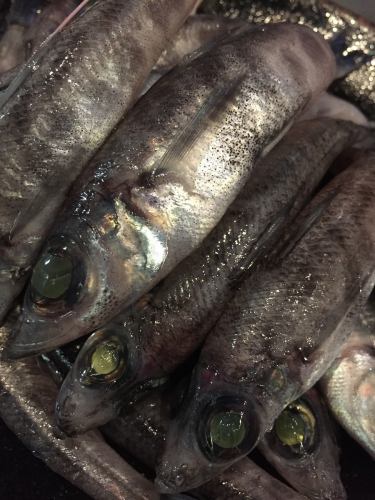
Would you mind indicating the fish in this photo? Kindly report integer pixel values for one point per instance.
(27, 396)
(349, 384)
(22, 14)
(302, 447)
(149, 340)
(279, 333)
(165, 178)
(329, 19)
(141, 433)
(60, 109)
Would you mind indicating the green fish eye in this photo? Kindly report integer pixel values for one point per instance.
(107, 358)
(295, 426)
(52, 275)
(227, 429)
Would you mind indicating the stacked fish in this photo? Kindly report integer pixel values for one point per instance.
(187, 244)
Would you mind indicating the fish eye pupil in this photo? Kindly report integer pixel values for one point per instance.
(106, 358)
(227, 429)
(52, 275)
(290, 428)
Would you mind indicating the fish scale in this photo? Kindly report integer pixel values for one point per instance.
(68, 100)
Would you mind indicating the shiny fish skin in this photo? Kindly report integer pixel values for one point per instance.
(349, 384)
(60, 115)
(326, 17)
(166, 327)
(281, 331)
(165, 178)
(27, 396)
(141, 432)
(314, 473)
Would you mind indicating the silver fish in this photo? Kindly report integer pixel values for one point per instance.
(59, 110)
(303, 449)
(27, 396)
(166, 177)
(141, 432)
(349, 384)
(326, 17)
(279, 334)
(150, 340)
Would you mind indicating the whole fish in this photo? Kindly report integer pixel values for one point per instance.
(27, 397)
(165, 178)
(279, 334)
(349, 384)
(151, 339)
(59, 110)
(326, 17)
(302, 448)
(141, 432)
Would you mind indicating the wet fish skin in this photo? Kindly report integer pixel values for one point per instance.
(167, 326)
(138, 205)
(78, 91)
(141, 432)
(326, 17)
(281, 331)
(27, 396)
(313, 472)
(349, 384)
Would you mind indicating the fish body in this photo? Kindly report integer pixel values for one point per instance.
(326, 17)
(60, 109)
(167, 175)
(279, 334)
(163, 329)
(349, 384)
(303, 449)
(27, 396)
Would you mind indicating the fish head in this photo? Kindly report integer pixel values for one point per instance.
(216, 426)
(99, 381)
(302, 447)
(88, 271)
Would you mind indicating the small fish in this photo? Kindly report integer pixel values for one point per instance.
(141, 432)
(329, 19)
(349, 384)
(59, 110)
(303, 449)
(27, 397)
(279, 334)
(165, 178)
(151, 339)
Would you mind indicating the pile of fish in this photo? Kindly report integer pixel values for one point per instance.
(187, 243)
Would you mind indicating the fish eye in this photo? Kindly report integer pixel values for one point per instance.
(228, 429)
(58, 275)
(105, 361)
(294, 432)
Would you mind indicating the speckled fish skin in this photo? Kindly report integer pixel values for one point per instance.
(63, 111)
(316, 472)
(349, 384)
(27, 396)
(167, 175)
(328, 18)
(166, 327)
(281, 331)
(141, 432)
